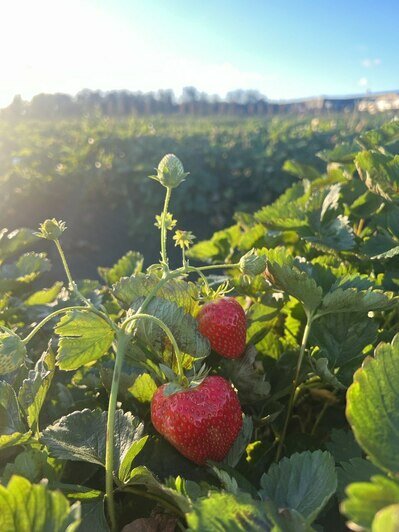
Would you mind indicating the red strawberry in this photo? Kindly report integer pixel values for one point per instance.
(223, 322)
(201, 423)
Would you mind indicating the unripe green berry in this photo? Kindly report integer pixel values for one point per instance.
(252, 263)
(170, 171)
(51, 229)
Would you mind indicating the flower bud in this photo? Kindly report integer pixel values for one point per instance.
(170, 171)
(252, 263)
(51, 229)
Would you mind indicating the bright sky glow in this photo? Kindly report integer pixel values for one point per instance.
(283, 48)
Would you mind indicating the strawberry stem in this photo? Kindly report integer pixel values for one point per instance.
(121, 346)
(164, 254)
(294, 385)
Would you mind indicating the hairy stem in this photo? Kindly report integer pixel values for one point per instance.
(164, 255)
(121, 346)
(294, 386)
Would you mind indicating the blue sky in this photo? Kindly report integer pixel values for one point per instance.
(283, 48)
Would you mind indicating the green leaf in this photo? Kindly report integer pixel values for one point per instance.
(365, 499)
(288, 274)
(126, 464)
(259, 317)
(32, 464)
(251, 384)
(343, 446)
(355, 470)
(93, 517)
(16, 438)
(26, 507)
(143, 388)
(81, 436)
(387, 519)
(11, 243)
(25, 270)
(241, 442)
(220, 512)
(34, 388)
(380, 173)
(183, 326)
(326, 374)
(10, 415)
(355, 300)
(129, 264)
(44, 296)
(85, 337)
(130, 289)
(288, 212)
(303, 171)
(342, 337)
(393, 252)
(373, 406)
(12, 352)
(304, 482)
(219, 247)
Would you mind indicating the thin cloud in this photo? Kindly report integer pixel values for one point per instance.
(371, 63)
(363, 82)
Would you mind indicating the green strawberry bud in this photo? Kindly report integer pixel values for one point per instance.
(12, 352)
(51, 229)
(170, 171)
(252, 263)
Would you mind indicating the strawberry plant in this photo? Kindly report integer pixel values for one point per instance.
(257, 391)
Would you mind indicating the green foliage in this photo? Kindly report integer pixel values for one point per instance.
(30, 507)
(304, 482)
(85, 337)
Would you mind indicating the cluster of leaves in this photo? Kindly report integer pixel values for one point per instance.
(323, 315)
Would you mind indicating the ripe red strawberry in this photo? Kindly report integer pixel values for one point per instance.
(201, 423)
(223, 322)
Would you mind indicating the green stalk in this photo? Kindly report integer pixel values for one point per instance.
(164, 255)
(48, 318)
(74, 288)
(294, 385)
(121, 346)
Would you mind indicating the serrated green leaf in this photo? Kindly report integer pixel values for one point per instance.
(259, 318)
(85, 337)
(10, 415)
(129, 264)
(380, 173)
(240, 513)
(354, 300)
(33, 464)
(12, 352)
(26, 507)
(287, 273)
(130, 289)
(81, 436)
(287, 212)
(219, 247)
(34, 388)
(390, 254)
(373, 406)
(303, 482)
(342, 337)
(44, 296)
(183, 326)
(365, 499)
(26, 269)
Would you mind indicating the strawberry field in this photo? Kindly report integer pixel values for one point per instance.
(248, 381)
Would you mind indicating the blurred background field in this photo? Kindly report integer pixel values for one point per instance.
(92, 172)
